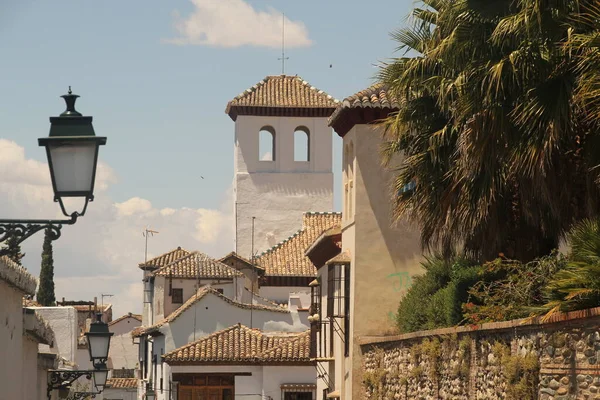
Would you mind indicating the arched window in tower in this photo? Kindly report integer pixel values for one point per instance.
(301, 144)
(266, 144)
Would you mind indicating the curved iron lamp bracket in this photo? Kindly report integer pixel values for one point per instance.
(62, 379)
(22, 229)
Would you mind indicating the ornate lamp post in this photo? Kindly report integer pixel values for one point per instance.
(72, 150)
(98, 339)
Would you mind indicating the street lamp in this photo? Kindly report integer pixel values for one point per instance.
(72, 151)
(98, 338)
(150, 393)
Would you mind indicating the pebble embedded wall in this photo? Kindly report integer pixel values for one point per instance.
(508, 360)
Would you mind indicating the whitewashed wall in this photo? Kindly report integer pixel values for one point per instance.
(11, 337)
(63, 321)
(278, 192)
(275, 376)
(212, 313)
(123, 353)
(163, 302)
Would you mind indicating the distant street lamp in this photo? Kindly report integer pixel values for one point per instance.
(72, 151)
(150, 393)
(98, 338)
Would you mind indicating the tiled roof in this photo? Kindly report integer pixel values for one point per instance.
(164, 259)
(17, 276)
(203, 291)
(122, 383)
(242, 345)
(137, 317)
(86, 308)
(375, 97)
(287, 258)
(342, 258)
(235, 255)
(197, 265)
(281, 92)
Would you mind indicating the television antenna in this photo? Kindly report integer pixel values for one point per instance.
(147, 232)
(283, 57)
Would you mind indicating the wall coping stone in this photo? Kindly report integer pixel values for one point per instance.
(490, 326)
(17, 276)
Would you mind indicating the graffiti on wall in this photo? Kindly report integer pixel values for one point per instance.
(400, 281)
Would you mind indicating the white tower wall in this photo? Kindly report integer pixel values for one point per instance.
(278, 192)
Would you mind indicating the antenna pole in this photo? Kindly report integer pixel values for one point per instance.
(283, 57)
(252, 260)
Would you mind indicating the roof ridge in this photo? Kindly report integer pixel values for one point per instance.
(178, 248)
(278, 245)
(199, 295)
(292, 339)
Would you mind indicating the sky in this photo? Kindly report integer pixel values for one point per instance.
(156, 76)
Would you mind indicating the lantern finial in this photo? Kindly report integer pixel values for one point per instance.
(70, 100)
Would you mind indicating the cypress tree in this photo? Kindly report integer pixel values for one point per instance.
(45, 294)
(14, 249)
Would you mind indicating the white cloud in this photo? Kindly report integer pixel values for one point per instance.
(100, 253)
(234, 23)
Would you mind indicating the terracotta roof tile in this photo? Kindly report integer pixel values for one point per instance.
(203, 291)
(342, 258)
(86, 308)
(164, 259)
(240, 344)
(122, 383)
(287, 258)
(281, 92)
(375, 96)
(197, 265)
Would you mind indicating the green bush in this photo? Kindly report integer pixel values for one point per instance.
(435, 298)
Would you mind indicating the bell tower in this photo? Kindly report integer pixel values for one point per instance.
(282, 160)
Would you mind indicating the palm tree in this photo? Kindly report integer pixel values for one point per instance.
(496, 141)
(577, 285)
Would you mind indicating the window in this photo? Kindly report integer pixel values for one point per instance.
(338, 303)
(301, 144)
(177, 296)
(266, 144)
(337, 289)
(297, 396)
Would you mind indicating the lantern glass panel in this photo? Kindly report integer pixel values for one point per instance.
(73, 165)
(100, 376)
(98, 345)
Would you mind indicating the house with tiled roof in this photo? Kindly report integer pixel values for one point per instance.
(206, 312)
(240, 361)
(282, 161)
(171, 284)
(121, 388)
(366, 250)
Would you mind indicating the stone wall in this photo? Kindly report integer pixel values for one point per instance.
(520, 359)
